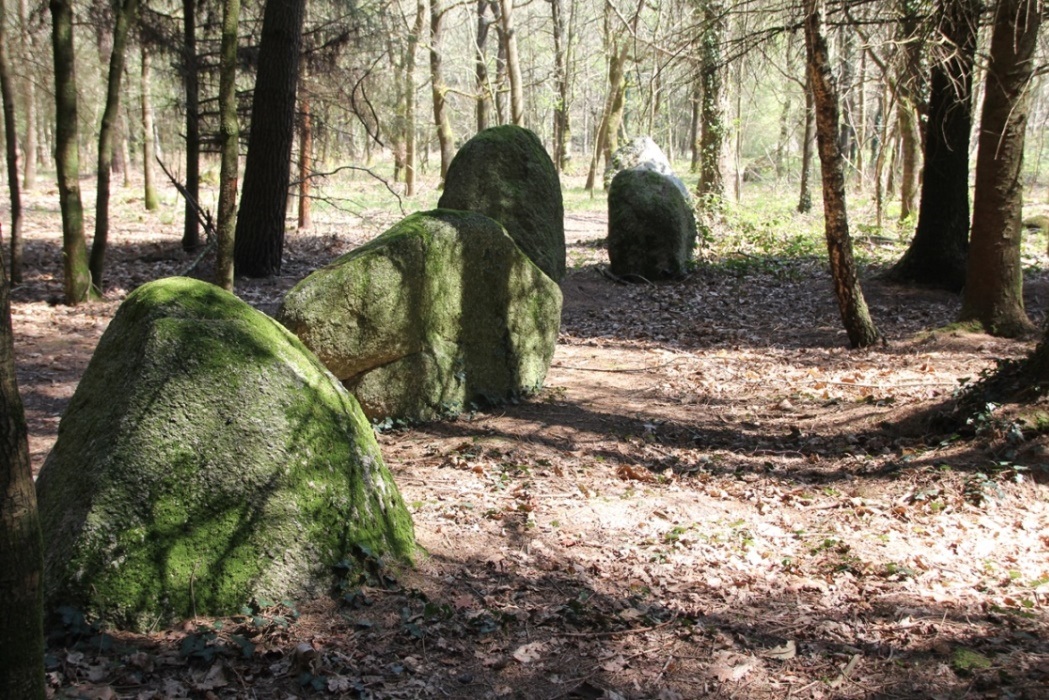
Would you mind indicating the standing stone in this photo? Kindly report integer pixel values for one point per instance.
(440, 312)
(651, 226)
(642, 152)
(208, 459)
(505, 173)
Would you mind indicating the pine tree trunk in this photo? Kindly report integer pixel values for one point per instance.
(191, 82)
(259, 246)
(149, 154)
(126, 16)
(937, 255)
(994, 281)
(21, 551)
(11, 150)
(854, 313)
(76, 274)
(229, 146)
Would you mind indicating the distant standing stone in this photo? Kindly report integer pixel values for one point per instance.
(651, 226)
(506, 174)
(641, 152)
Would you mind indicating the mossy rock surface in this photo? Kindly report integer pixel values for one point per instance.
(207, 458)
(438, 313)
(651, 226)
(506, 174)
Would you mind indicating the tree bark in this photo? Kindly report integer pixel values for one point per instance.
(513, 62)
(938, 252)
(562, 125)
(229, 146)
(441, 118)
(125, 17)
(259, 247)
(76, 274)
(483, 105)
(11, 148)
(711, 187)
(909, 89)
(411, 157)
(305, 162)
(191, 82)
(851, 304)
(26, 51)
(808, 136)
(21, 551)
(994, 282)
(149, 154)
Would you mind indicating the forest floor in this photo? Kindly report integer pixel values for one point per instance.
(712, 497)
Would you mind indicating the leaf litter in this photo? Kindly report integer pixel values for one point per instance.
(711, 497)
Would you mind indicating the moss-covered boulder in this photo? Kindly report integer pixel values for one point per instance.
(506, 174)
(208, 458)
(651, 226)
(440, 312)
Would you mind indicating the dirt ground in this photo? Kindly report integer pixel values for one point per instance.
(712, 497)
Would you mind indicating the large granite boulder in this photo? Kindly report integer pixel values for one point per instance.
(207, 458)
(651, 226)
(440, 312)
(505, 173)
(642, 152)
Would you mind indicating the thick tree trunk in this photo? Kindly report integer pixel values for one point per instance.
(854, 313)
(259, 246)
(937, 254)
(909, 79)
(126, 16)
(149, 155)
(229, 146)
(7, 96)
(21, 587)
(441, 118)
(76, 274)
(513, 62)
(994, 283)
(191, 82)
(711, 187)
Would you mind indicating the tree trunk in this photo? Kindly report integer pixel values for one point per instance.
(562, 128)
(484, 91)
(148, 145)
(76, 274)
(693, 132)
(26, 52)
(937, 254)
(264, 199)
(909, 88)
(441, 118)
(994, 283)
(191, 81)
(513, 62)
(411, 158)
(21, 551)
(229, 146)
(711, 187)
(808, 136)
(305, 161)
(11, 148)
(851, 304)
(126, 16)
